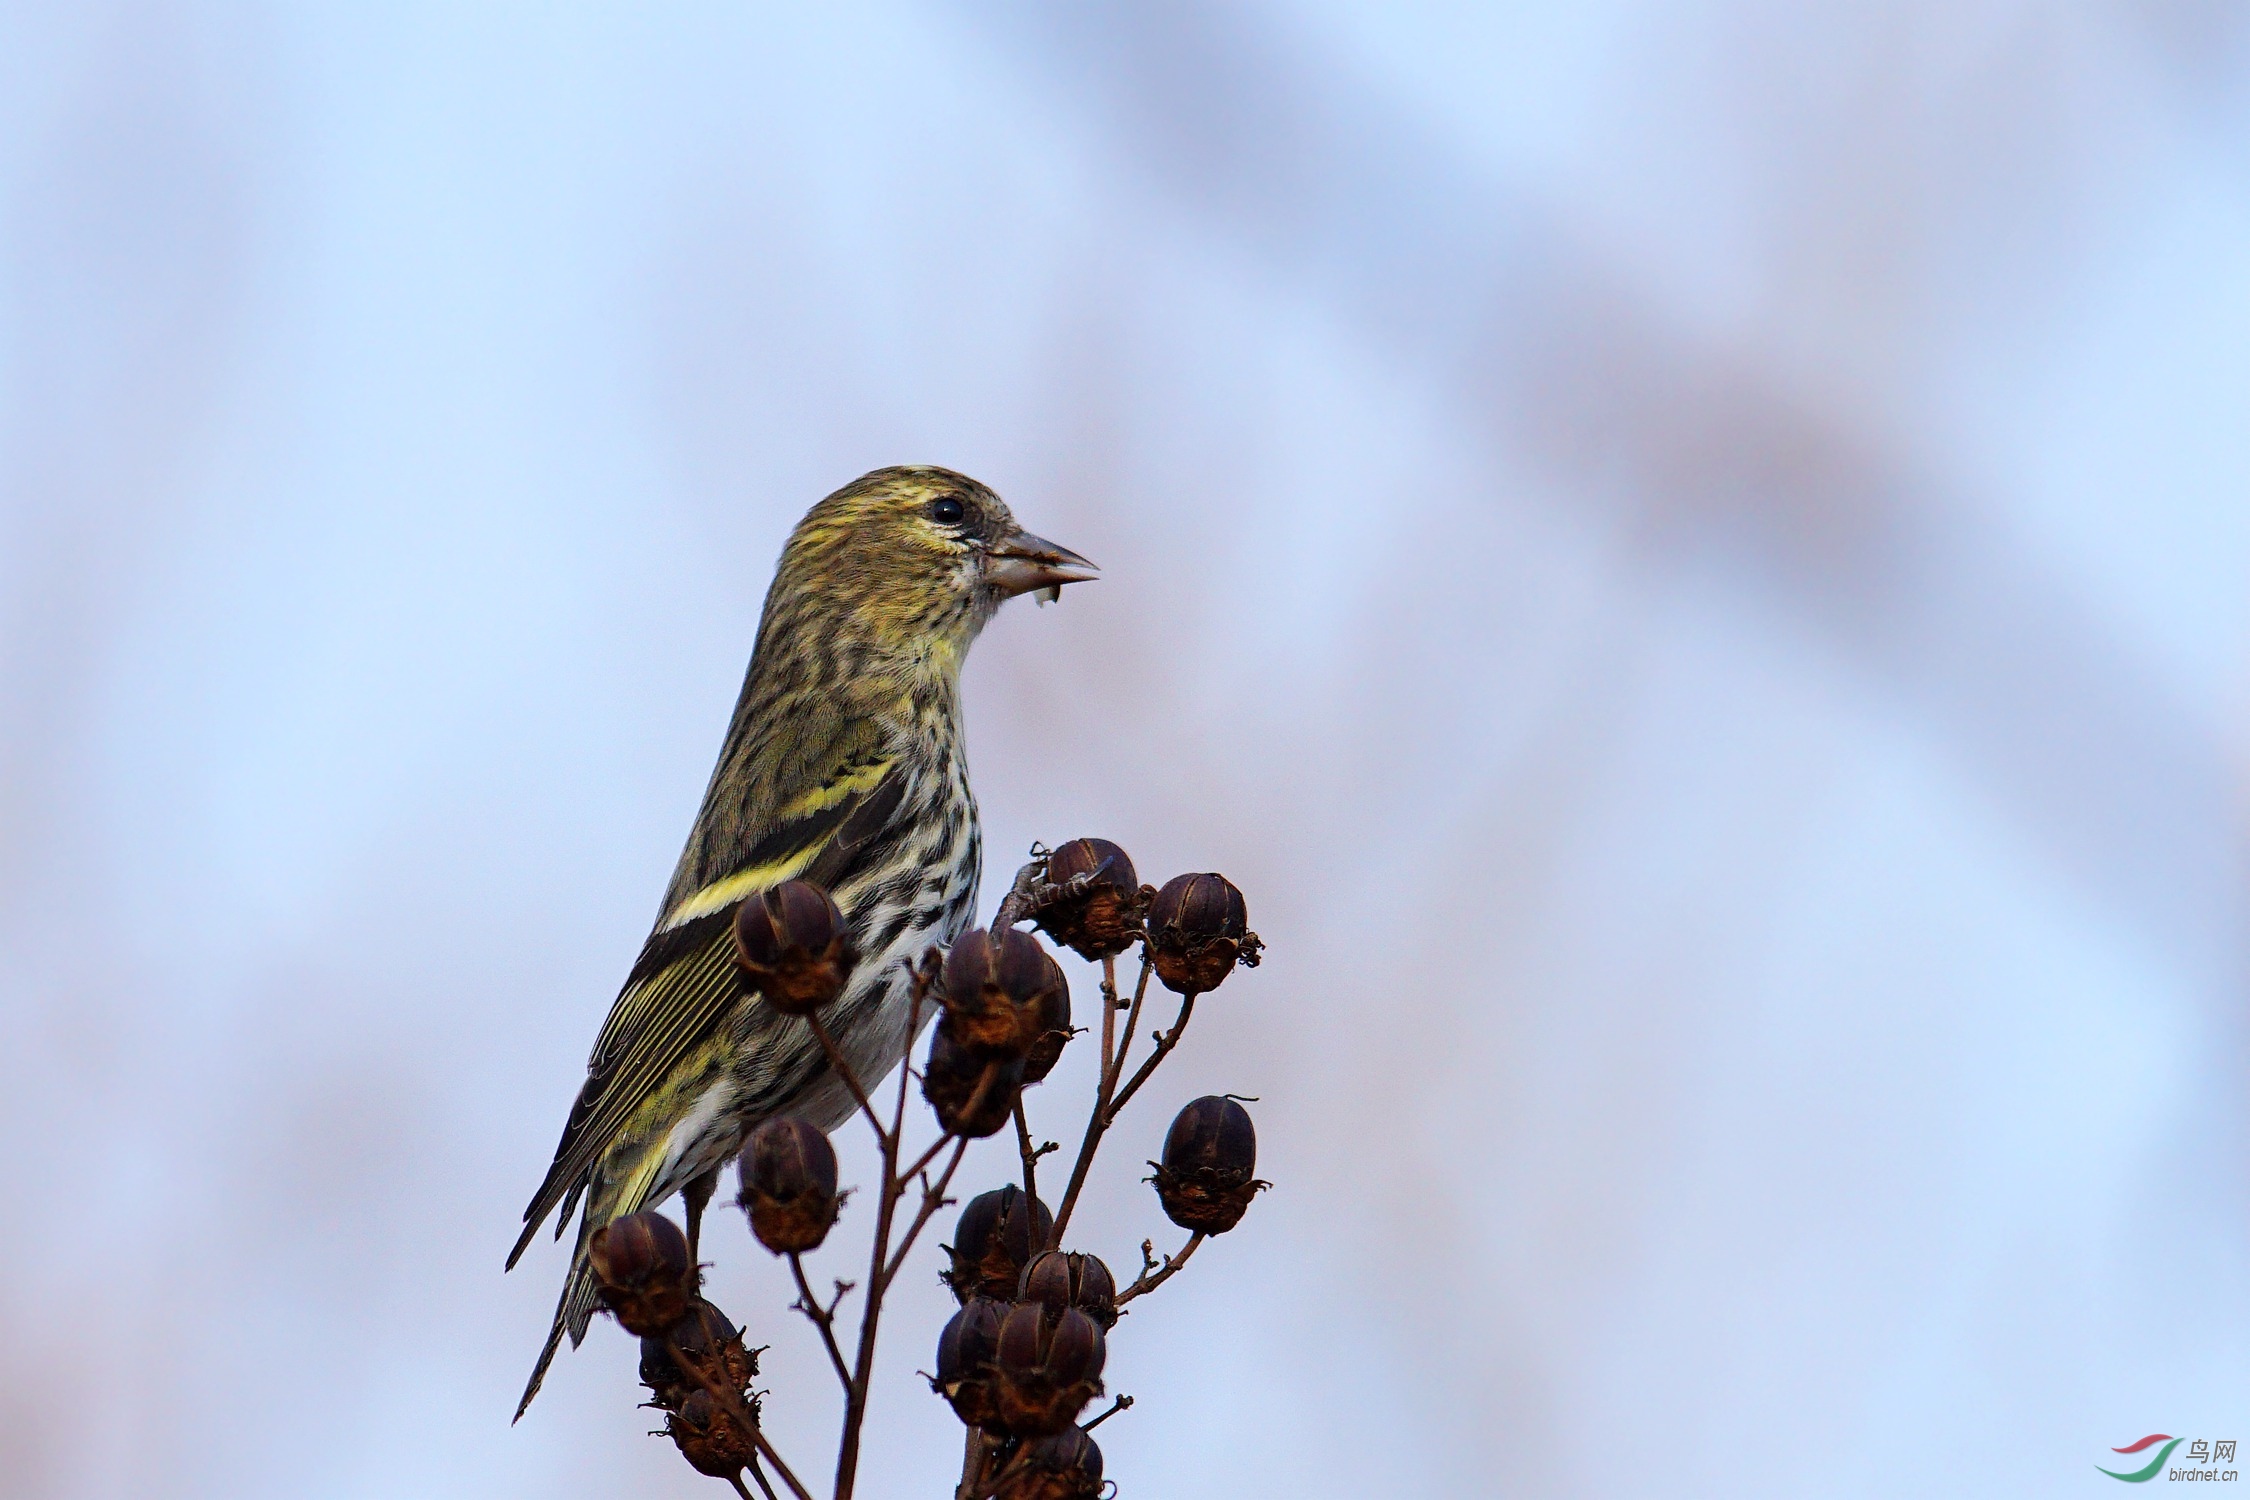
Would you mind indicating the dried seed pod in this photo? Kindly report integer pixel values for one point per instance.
(708, 1342)
(964, 1362)
(1204, 1181)
(1198, 930)
(707, 1338)
(1046, 1370)
(642, 1272)
(998, 992)
(709, 1437)
(973, 1095)
(789, 1185)
(996, 1236)
(666, 1382)
(793, 946)
(1055, 1034)
(1067, 1466)
(1097, 902)
(1058, 1280)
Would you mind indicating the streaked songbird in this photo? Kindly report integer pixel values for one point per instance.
(843, 766)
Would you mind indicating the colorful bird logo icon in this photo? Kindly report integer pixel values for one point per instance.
(2155, 1465)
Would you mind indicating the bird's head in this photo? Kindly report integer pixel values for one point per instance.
(912, 561)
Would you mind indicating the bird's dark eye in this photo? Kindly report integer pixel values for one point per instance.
(947, 511)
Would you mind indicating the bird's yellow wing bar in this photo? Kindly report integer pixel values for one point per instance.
(685, 982)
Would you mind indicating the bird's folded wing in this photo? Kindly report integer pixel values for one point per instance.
(685, 983)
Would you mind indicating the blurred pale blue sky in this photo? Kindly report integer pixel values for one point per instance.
(1689, 557)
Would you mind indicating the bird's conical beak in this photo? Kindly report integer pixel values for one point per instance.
(1026, 564)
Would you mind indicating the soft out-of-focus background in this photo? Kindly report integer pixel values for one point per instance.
(1691, 558)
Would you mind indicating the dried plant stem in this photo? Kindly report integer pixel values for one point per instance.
(871, 1309)
(1116, 1065)
(933, 1199)
(740, 1414)
(917, 990)
(1122, 1403)
(822, 1318)
(922, 1162)
(1152, 1277)
(765, 1485)
(759, 1438)
(1165, 1042)
(990, 1484)
(843, 1070)
(884, 1263)
(1030, 1157)
(1107, 1101)
(972, 1464)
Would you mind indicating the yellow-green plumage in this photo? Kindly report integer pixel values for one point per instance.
(842, 765)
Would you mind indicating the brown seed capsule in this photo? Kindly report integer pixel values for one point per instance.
(1097, 902)
(1055, 1034)
(709, 1343)
(972, 1094)
(1198, 930)
(1058, 1280)
(642, 1273)
(964, 1361)
(789, 1185)
(996, 1236)
(793, 946)
(1204, 1181)
(1046, 1370)
(709, 1437)
(1067, 1466)
(998, 993)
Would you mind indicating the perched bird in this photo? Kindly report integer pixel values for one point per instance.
(843, 766)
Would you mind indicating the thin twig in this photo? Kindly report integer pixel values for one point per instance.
(843, 1070)
(870, 1314)
(993, 1483)
(922, 1162)
(1108, 1099)
(1151, 1278)
(740, 1413)
(933, 1199)
(1030, 1157)
(758, 1438)
(881, 1269)
(1109, 1016)
(917, 990)
(1122, 1403)
(1133, 1020)
(823, 1318)
(765, 1485)
(1165, 1042)
(1098, 1120)
(972, 1463)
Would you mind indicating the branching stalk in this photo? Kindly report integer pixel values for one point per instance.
(1030, 1157)
(1165, 1042)
(1122, 1403)
(1152, 1276)
(738, 1412)
(822, 1318)
(1132, 1020)
(884, 1263)
(933, 1199)
(1107, 1100)
(844, 1070)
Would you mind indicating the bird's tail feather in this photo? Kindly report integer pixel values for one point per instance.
(572, 1314)
(575, 1310)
